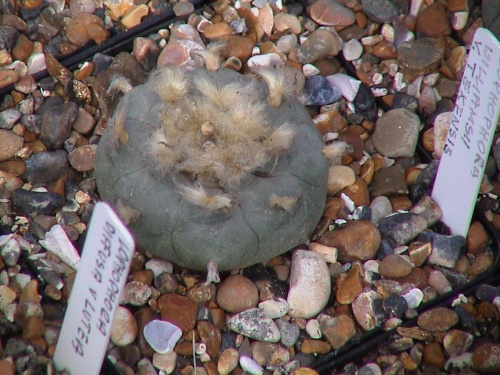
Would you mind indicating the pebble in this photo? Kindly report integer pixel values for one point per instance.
(367, 309)
(210, 336)
(83, 27)
(365, 102)
(439, 282)
(183, 8)
(254, 324)
(6, 367)
(446, 250)
(7, 296)
(269, 353)
(389, 182)
(331, 13)
(352, 50)
(396, 133)
(10, 144)
(477, 238)
(33, 328)
(382, 11)
(56, 124)
(162, 336)
(286, 42)
(289, 332)
(33, 202)
(310, 286)
(275, 307)
(136, 293)
(313, 329)
(350, 284)
(315, 347)
(237, 293)
(228, 360)
(178, 310)
(339, 177)
(347, 85)
(456, 342)
(250, 366)
(394, 266)
(8, 76)
(433, 21)
(486, 358)
(320, 91)
(159, 266)
(401, 227)
(337, 330)
(287, 22)
(165, 362)
(124, 330)
(45, 167)
(82, 158)
(433, 355)
(380, 207)
(265, 60)
(319, 45)
(9, 118)
(439, 319)
(419, 57)
(357, 240)
(395, 306)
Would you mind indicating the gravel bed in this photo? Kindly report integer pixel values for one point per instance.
(379, 255)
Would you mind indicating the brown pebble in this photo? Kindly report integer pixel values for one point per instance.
(269, 353)
(23, 48)
(305, 371)
(481, 264)
(143, 276)
(433, 21)
(434, 356)
(217, 30)
(486, 358)
(178, 310)
(211, 336)
(419, 251)
(237, 293)
(33, 328)
(358, 192)
(84, 27)
(331, 13)
(310, 346)
(8, 76)
(338, 330)
(228, 360)
(83, 158)
(357, 240)
(437, 320)
(349, 284)
(30, 292)
(477, 238)
(393, 267)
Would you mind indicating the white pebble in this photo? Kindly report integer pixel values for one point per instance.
(124, 330)
(352, 50)
(347, 85)
(36, 63)
(413, 298)
(266, 60)
(459, 20)
(310, 285)
(162, 336)
(313, 329)
(275, 308)
(250, 366)
(309, 70)
(460, 361)
(57, 242)
(158, 266)
(388, 32)
(370, 267)
(327, 252)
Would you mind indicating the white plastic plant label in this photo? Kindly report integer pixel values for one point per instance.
(470, 134)
(99, 281)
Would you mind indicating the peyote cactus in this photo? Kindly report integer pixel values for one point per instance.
(210, 165)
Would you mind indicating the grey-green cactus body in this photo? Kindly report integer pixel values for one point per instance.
(274, 205)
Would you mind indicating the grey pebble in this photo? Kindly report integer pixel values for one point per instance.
(445, 249)
(402, 100)
(56, 124)
(34, 202)
(44, 167)
(401, 227)
(9, 118)
(380, 10)
(255, 324)
(162, 335)
(289, 332)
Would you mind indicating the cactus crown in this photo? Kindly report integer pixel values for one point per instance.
(215, 135)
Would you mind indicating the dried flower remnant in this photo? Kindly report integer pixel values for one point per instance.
(216, 168)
